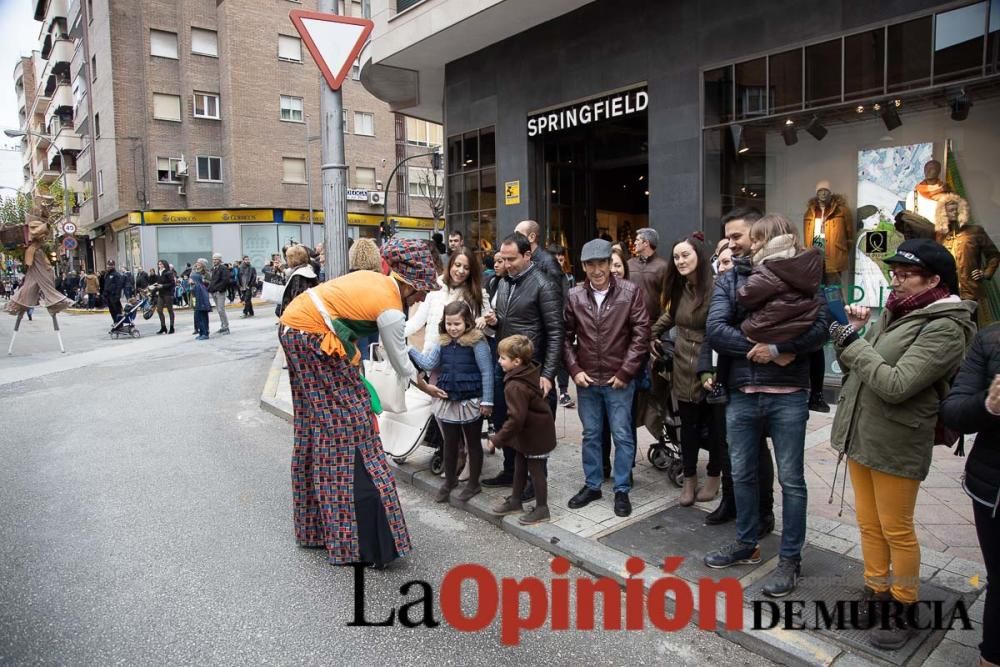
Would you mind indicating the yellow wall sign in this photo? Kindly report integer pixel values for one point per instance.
(361, 219)
(202, 217)
(512, 193)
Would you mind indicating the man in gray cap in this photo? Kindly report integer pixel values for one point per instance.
(607, 332)
(218, 284)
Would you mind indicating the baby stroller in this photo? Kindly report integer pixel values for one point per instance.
(665, 453)
(125, 326)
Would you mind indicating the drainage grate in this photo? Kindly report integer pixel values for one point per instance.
(681, 531)
(830, 576)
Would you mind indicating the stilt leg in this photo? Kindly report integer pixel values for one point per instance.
(17, 325)
(55, 325)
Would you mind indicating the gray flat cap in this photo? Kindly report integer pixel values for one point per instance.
(595, 250)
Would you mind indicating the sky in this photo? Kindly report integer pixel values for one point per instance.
(20, 36)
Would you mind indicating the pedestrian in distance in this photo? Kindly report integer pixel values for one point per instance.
(166, 282)
(247, 284)
(114, 285)
(568, 282)
(529, 430)
(464, 362)
(218, 284)
(201, 303)
(302, 276)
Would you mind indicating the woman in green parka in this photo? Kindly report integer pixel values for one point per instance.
(895, 378)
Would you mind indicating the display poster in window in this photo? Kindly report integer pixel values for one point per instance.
(885, 177)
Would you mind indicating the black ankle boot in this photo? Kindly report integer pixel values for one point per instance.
(162, 330)
(171, 330)
(894, 630)
(725, 512)
(870, 607)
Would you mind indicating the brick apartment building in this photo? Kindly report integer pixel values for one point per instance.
(190, 125)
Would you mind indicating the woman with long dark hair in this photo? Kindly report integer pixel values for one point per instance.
(688, 293)
(166, 281)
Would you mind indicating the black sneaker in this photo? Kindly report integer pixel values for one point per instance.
(566, 401)
(736, 553)
(783, 579)
(584, 497)
(623, 506)
(817, 403)
(500, 480)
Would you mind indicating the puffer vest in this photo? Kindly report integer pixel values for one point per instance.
(460, 375)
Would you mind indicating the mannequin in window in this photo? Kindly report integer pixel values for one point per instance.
(925, 197)
(976, 256)
(827, 224)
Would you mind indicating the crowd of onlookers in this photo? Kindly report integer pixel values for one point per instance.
(727, 339)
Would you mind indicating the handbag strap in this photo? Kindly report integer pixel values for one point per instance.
(321, 307)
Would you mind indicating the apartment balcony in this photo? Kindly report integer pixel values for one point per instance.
(67, 142)
(58, 63)
(57, 31)
(60, 104)
(77, 61)
(73, 15)
(81, 114)
(46, 10)
(19, 71)
(413, 41)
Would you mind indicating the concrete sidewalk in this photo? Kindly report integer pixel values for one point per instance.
(949, 549)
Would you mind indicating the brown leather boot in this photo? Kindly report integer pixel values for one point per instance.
(687, 493)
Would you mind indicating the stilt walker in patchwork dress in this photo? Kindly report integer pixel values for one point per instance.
(344, 493)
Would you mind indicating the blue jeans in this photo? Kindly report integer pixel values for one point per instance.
(595, 403)
(785, 416)
(201, 322)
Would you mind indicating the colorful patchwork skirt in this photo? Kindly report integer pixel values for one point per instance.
(343, 491)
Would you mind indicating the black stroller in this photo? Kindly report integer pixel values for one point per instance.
(665, 453)
(125, 326)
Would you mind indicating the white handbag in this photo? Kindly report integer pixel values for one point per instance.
(272, 292)
(391, 388)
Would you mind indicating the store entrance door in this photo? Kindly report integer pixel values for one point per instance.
(596, 184)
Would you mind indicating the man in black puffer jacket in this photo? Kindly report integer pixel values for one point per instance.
(767, 384)
(973, 406)
(528, 302)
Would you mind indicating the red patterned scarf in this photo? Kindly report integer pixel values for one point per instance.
(904, 305)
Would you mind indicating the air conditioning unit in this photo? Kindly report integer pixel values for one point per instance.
(181, 190)
(376, 198)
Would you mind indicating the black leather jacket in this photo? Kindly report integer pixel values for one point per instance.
(219, 282)
(724, 335)
(531, 304)
(546, 261)
(965, 410)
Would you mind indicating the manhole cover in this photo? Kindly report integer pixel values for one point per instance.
(681, 531)
(830, 577)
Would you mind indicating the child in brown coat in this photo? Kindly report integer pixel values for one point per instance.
(529, 429)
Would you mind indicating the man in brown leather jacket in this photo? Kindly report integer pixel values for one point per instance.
(607, 331)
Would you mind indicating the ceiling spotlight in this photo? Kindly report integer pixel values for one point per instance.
(960, 105)
(816, 129)
(876, 107)
(789, 133)
(860, 108)
(738, 140)
(898, 102)
(890, 117)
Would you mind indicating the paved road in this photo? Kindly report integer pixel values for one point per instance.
(145, 519)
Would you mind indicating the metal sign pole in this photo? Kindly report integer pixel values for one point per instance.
(334, 173)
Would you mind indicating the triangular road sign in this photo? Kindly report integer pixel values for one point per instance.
(333, 40)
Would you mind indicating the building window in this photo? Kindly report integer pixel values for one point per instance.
(100, 182)
(364, 123)
(206, 105)
(166, 169)
(93, 68)
(472, 187)
(356, 70)
(344, 118)
(289, 48)
(166, 107)
(204, 42)
(97, 124)
(163, 44)
(209, 168)
(293, 170)
(424, 182)
(291, 108)
(364, 178)
(421, 133)
(183, 245)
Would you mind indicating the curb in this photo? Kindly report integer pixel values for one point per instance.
(177, 309)
(586, 553)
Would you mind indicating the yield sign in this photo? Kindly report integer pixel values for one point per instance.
(333, 40)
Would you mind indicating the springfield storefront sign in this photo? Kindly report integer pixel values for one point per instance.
(614, 105)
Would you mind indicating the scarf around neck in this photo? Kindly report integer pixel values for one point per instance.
(900, 306)
(780, 247)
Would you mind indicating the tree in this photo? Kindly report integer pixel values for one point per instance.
(432, 187)
(14, 209)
